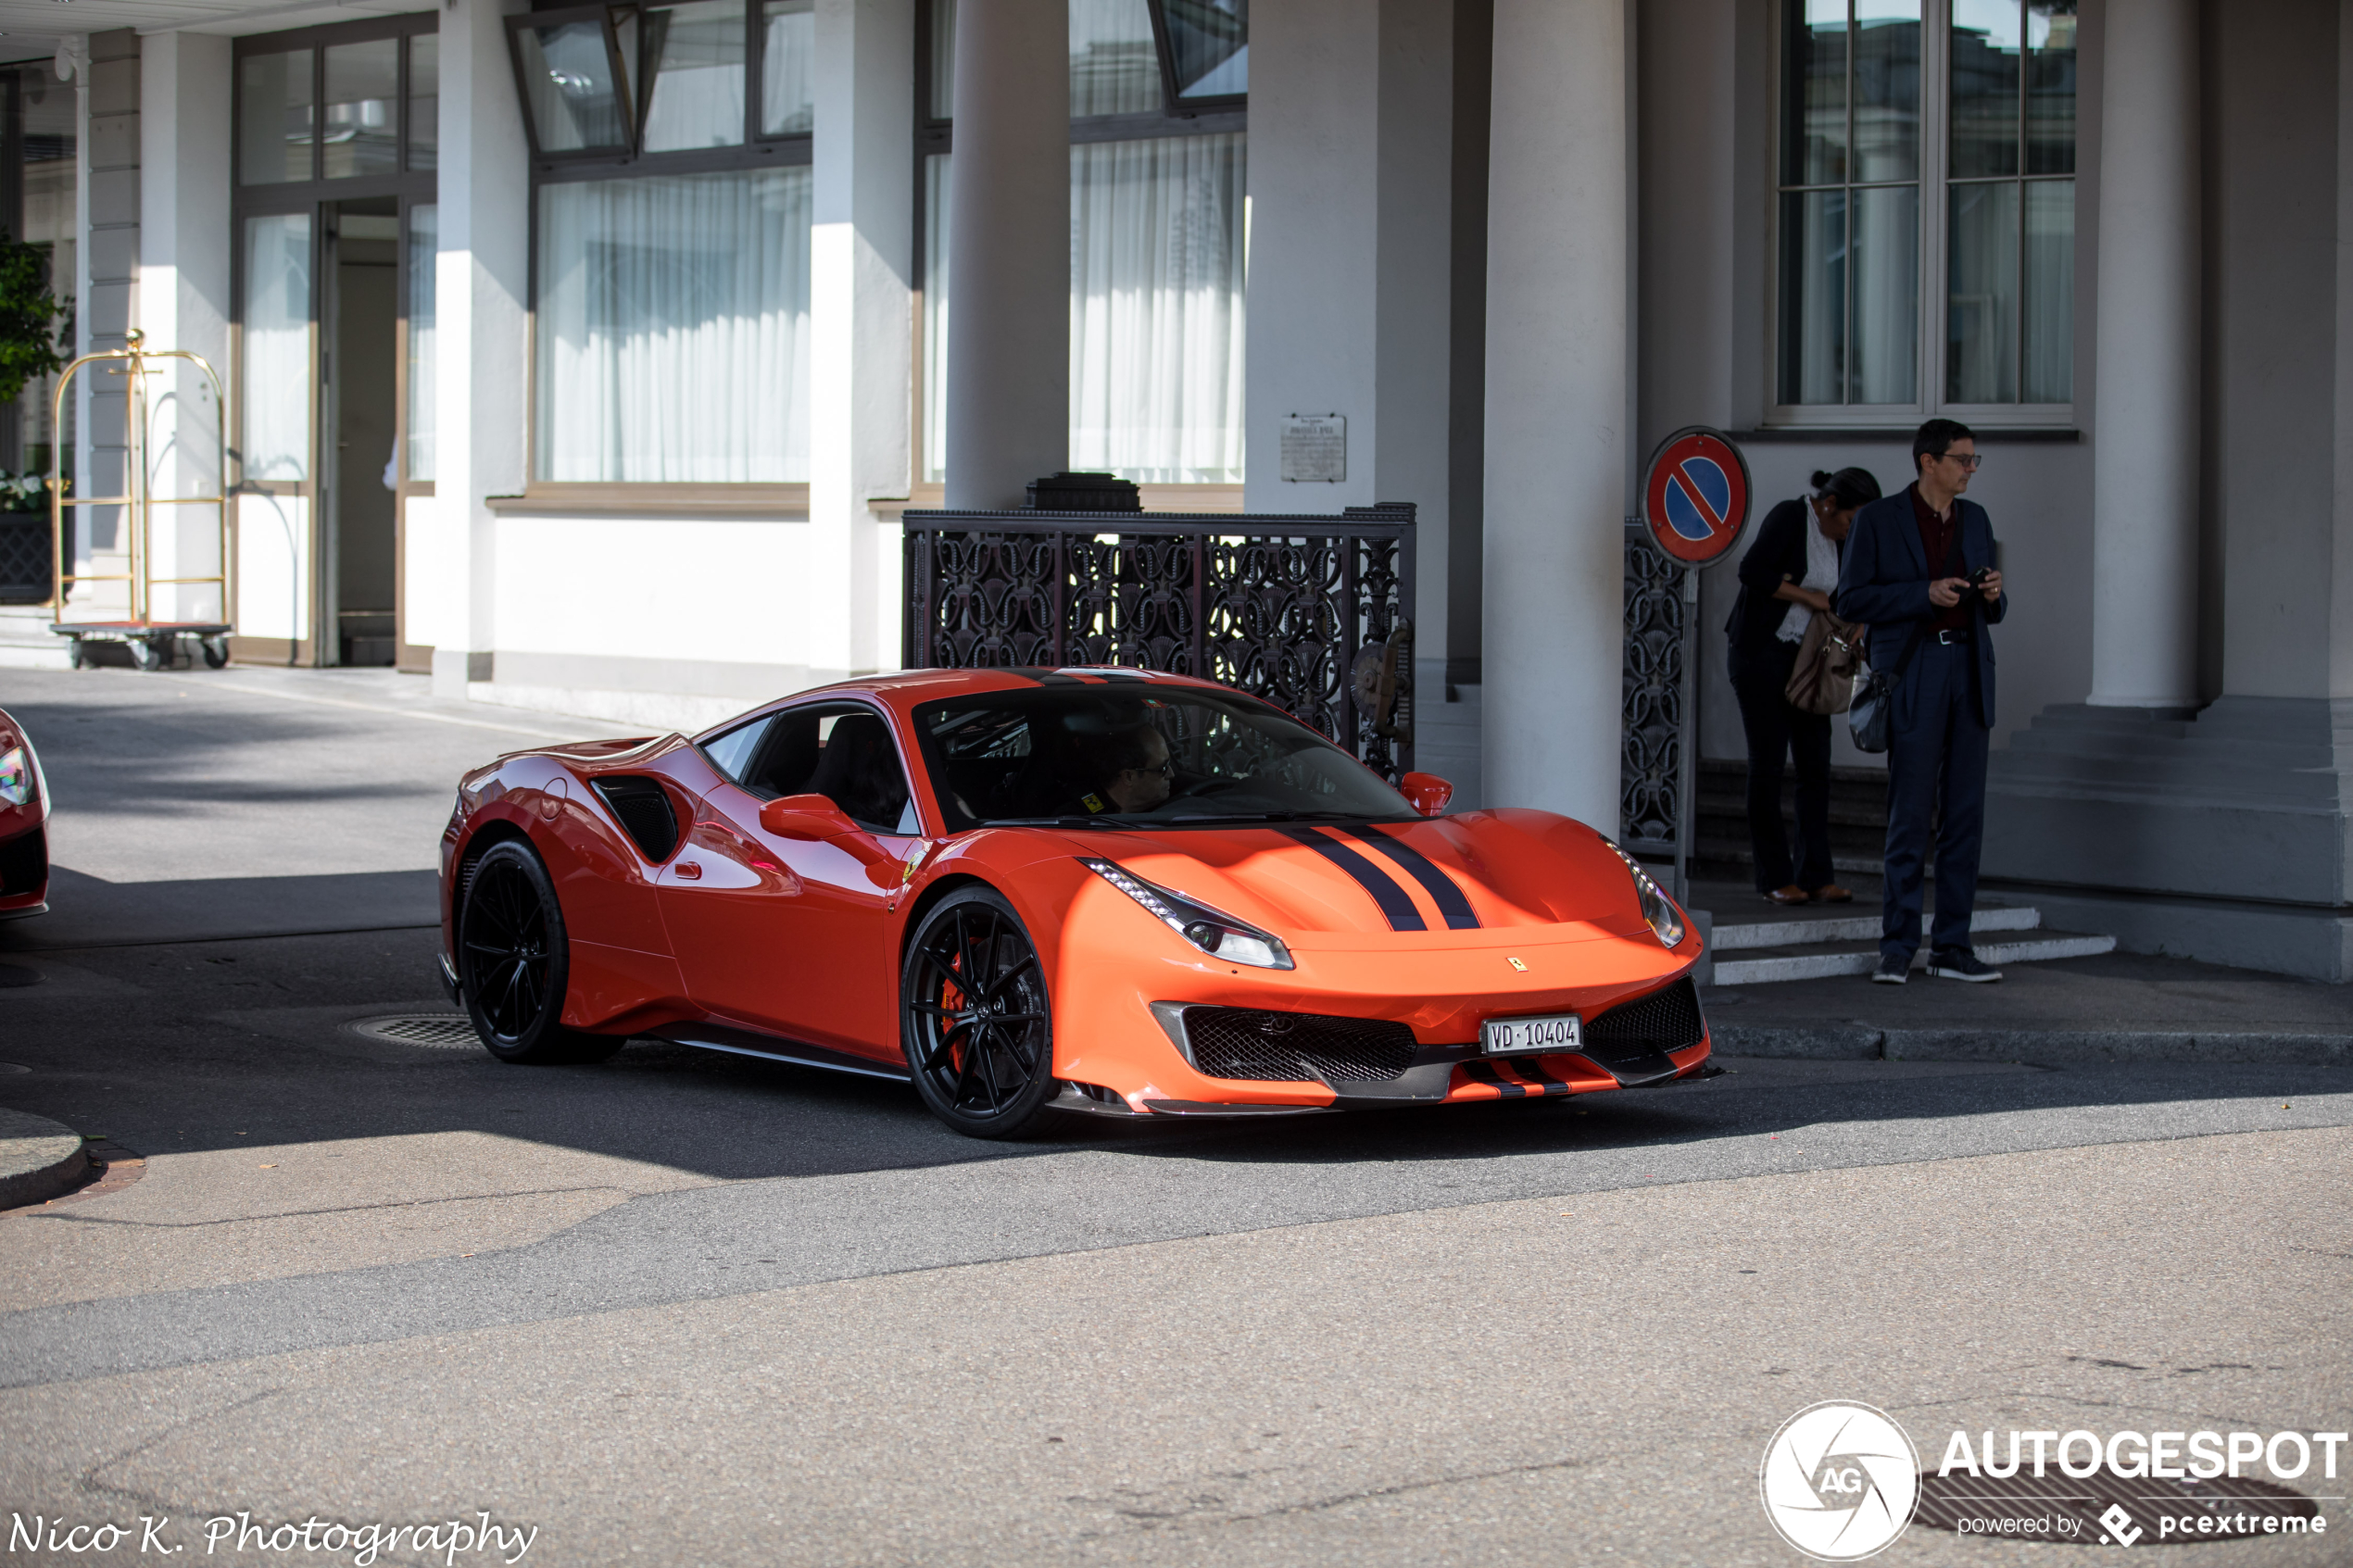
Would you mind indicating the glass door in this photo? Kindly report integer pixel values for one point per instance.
(338, 143)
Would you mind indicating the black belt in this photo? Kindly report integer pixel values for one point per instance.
(1954, 639)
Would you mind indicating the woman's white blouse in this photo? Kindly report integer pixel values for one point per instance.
(1821, 571)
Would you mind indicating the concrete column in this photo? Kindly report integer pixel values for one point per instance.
(862, 246)
(110, 157)
(1557, 309)
(482, 287)
(185, 82)
(1350, 156)
(1008, 251)
(2145, 432)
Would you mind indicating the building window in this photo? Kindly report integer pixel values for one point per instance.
(1926, 150)
(670, 309)
(1159, 229)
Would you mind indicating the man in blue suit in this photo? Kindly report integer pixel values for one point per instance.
(1919, 569)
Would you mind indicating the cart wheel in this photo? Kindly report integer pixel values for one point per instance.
(215, 652)
(74, 653)
(150, 653)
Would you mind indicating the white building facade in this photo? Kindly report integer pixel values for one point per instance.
(587, 356)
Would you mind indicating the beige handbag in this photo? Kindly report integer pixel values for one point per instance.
(1824, 679)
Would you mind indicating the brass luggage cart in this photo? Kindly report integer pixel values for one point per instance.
(153, 642)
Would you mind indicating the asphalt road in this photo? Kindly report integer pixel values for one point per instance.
(681, 1308)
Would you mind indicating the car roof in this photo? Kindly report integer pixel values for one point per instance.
(900, 691)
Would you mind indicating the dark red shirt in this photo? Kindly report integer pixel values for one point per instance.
(1937, 534)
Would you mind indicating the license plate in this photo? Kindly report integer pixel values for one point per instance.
(1526, 1036)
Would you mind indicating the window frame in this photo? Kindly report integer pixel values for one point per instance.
(1934, 184)
(1165, 45)
(754, 154)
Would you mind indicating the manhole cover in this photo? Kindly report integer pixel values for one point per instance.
(443, 1031)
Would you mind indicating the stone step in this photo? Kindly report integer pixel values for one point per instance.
(1822, 961)
(26, 642)
(1795, 931)
(1735, 852)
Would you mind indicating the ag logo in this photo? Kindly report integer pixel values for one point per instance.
(1840, 1481)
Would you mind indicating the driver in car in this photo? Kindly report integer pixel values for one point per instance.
(1135, 768)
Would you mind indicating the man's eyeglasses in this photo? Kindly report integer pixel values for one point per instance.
(1969, 460)
(1167, 770)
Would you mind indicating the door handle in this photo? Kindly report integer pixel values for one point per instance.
(689, 871)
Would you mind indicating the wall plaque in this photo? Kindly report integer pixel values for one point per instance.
(1314, 448)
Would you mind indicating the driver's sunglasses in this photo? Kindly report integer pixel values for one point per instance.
(1167, 768)
(1969, 461)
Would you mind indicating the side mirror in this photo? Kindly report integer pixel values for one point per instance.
(810, 817)
(1426, 793)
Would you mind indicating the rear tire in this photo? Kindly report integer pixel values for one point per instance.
(975, 1018)
(513, 962)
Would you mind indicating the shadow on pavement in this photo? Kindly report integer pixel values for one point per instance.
(86, 912)
(182, 1047)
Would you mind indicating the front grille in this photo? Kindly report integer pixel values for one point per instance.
(1288, 1048)
(24, 863)
(644, 812)
(1664, 1021)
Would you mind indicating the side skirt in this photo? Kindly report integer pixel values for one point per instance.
(775, 1047)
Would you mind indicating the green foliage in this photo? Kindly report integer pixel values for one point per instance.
(30, 315)
(23, 493)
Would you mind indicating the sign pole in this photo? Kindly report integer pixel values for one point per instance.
(1696, 504)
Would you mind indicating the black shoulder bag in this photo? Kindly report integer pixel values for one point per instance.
(1868, 716)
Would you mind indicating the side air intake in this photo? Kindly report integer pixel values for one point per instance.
(643, 809)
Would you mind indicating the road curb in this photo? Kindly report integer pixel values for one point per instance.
(2054, 1047)
(39, 1159)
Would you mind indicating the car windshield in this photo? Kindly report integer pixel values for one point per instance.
(1130, 755)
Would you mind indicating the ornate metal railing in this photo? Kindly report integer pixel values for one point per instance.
(1656, 810)
(1286, 608)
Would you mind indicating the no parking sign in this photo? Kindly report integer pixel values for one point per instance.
(1696, 495)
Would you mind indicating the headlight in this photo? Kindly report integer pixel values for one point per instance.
(15, 777)
(1667, 921)
(1210, 930)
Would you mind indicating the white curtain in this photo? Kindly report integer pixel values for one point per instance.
(1156, 261)
(673, 328)
(276, 360)
(425, 249)
(1157, 254)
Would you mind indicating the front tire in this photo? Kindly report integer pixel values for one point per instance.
(513, 962)
(974, 1018)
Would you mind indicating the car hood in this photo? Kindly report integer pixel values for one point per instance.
(1483, 878)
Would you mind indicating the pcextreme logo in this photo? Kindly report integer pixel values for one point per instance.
(1840, 1481)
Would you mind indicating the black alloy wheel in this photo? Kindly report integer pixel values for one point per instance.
(513, 962)
(975, 1018)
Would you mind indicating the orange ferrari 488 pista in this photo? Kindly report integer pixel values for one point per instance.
(1032, 892)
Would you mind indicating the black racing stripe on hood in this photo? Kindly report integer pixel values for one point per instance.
(1394, 902)
(1441, 888)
